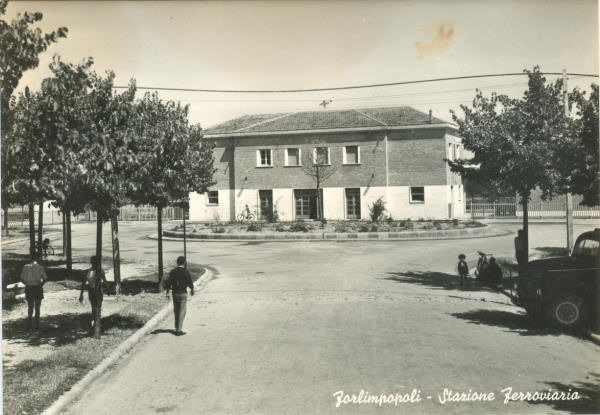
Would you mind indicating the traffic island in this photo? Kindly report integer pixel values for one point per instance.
(466, 232)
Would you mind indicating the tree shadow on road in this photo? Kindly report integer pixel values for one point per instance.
(589, 392)
(518, 322)
(438, 280)
(62, 329)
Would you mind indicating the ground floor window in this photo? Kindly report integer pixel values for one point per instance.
(417, 194)
(352, 203)
(305, 202)
(213, 197)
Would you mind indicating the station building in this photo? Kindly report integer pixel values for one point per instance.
(396, 154)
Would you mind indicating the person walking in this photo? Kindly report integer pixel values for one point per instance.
(178, 281)
(34, 277)
(94, 278)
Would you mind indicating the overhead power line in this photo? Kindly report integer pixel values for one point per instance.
(270, 91)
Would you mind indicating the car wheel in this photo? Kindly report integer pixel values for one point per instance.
(568, 311)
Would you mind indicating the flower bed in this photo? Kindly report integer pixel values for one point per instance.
(337, 226)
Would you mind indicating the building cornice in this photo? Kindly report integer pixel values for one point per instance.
(333, 130)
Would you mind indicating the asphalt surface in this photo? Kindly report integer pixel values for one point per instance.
(299, 327)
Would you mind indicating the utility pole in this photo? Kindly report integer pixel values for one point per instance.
(569, 212)
(325, 102)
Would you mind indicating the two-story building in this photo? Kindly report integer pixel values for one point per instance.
(392, 153)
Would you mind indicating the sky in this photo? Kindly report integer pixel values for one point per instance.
(249, 45)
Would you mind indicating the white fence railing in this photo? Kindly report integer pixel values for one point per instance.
(553, 209)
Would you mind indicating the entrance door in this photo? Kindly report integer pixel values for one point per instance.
(266, 204)
(306, 204)
(352, 203)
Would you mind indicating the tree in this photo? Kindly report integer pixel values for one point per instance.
(174, 160)
(514, 140)
(20, 46)
(317, 166)
(577, 156)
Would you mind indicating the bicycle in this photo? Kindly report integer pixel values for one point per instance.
(46, 248)
(246, 214)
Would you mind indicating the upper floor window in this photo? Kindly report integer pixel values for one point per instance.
(417, 195)
(292, 156)
(321, 155)
(351, 155)
(213, 197)
(264, 158)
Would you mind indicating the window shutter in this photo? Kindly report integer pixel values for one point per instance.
(257, 158)
(285, 157)
(358, 154)
(328, 156)
(344, 156)
(299, 157)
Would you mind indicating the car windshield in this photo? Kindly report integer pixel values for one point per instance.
(587, 248)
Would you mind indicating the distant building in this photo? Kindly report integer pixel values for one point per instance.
(393, 153)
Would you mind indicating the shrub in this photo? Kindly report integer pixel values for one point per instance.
(377, 210)
(455, 222)
(389, 219)
(364, 228)
(340, 227)
(254, 226)
(437, 225)
(279, 227)
(218, 229)
(374, 228)
(409, 224)
(300, 226)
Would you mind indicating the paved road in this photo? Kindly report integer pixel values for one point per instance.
(285, 326)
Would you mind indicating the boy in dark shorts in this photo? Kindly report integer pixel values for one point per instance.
(463, 269)
(34, 277)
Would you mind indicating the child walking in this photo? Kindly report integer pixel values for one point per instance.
(463, 269)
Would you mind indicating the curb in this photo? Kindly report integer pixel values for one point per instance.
(76, 390)
(481, 232)
(14, 241)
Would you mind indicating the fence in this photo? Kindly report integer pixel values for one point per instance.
(551, 209)
(19, 216)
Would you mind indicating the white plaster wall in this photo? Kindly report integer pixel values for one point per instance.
(368, 195)
(200, 210)
(245, 197)
(435, 206)
(334, 203)
(284, 200)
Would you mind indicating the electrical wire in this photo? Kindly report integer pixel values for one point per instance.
(263, 91)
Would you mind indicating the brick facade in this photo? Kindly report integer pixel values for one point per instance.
(391, 161)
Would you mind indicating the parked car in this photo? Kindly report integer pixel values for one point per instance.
(564, 291)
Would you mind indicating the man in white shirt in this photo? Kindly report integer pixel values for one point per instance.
(34, 277)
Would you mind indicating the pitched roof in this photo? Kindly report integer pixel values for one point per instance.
(324, 119)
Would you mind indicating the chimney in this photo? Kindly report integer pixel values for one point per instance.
(429, 121)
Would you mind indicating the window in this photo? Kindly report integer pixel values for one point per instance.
(264, 158)
(351, 155)
(321, 155)
(213, 197)
(587, 248)
(460, 192)
(292, 157)
(455, 152)
(450, 152)
(417, 195)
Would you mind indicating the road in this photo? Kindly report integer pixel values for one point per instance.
(290, 327)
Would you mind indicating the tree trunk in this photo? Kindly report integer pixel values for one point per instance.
(31, 231)
(40, 228)
(526, 230)
(116, 252)
(184, 240)
(160, 250)
(5, 220)
(69, 246)
(64, 234)
(99, 239)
